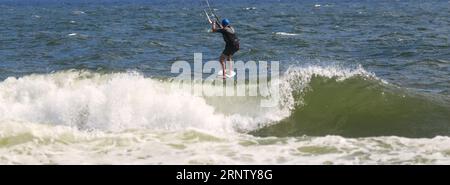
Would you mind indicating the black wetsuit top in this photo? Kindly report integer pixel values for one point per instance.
(231, 40)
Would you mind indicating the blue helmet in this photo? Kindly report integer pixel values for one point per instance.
(225, 22)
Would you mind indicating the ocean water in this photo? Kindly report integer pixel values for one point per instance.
(362, 82)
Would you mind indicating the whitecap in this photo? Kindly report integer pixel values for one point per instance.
(286, 34)
(78, 12)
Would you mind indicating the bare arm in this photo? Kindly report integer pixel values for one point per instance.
(214, 26)
(213, 23)
(207, 16)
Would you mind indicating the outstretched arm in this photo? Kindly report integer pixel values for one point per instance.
(207, 16)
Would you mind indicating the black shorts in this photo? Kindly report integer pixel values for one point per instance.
(229, 50)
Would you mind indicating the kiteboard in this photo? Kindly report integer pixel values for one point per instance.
(228, 75)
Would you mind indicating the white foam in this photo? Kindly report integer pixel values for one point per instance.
(115, 102)
(285, 34)
(29, 143)
(107, 102)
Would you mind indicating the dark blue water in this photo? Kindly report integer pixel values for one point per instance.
(403, 42)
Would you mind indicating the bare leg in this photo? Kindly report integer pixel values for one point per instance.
(231, 65)
(222, 63)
